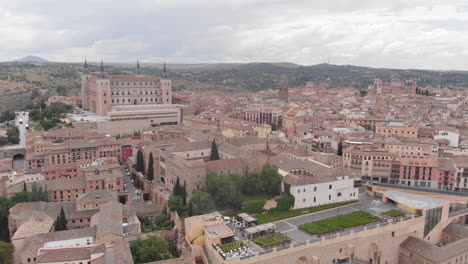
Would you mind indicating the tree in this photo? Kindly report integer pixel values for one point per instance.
(214, 155)
(37, 194)
(270, 179)
(149, 171)
(177, 189)
(274, 126)
(58, 108)
(25, 189)
(225, 190)
(152, 249)
(252, 184)
(34, 192)
(190, 209)
(340, 149)
(203, 202)
(6, 252)
(5, 205)
(184, 195)
(140, 163)
(426, 93)
(61, 221)
(175, 204)
(363, 93)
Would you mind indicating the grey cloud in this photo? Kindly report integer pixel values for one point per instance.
(397, 34)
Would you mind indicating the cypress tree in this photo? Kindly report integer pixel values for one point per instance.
(190, 209)
(58, 224)
(149, 171)
(24, 187)
(214, 155)
(184, 195)
(63, 219)
(340, 149)
(176, 191)
(139, 165)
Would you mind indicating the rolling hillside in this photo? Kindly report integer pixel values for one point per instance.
(23, 83)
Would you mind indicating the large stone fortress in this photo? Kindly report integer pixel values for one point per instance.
(101, 91)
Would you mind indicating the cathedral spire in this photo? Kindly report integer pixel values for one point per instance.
(85, 64)
(102, 66)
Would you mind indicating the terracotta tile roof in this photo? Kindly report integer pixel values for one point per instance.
(100, 195)
(110, 219)
(25, 211)
(216, 165)
(433, 252)
(51, 185)
(456, 230)
(35, 225)
(64, 255)
(242, 141)
(34, 243)
(189, 146)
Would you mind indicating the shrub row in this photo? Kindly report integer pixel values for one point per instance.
(275, 215)
(394, 213)
(232, 246)
(333, 224)
(270, 240)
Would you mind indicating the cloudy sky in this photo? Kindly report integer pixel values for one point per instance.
(424, 34)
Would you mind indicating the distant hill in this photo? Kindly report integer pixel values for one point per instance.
(32, 59)
(256, 76)
(25, 83)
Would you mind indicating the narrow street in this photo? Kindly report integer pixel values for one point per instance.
(134, 198)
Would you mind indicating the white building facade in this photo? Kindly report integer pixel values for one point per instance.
(341, 190)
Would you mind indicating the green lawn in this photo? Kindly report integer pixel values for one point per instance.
(270, 240)
(280, 215)
(340, 222)
(250, 206)
(394, 213)
(232, 246)
(254, 206)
